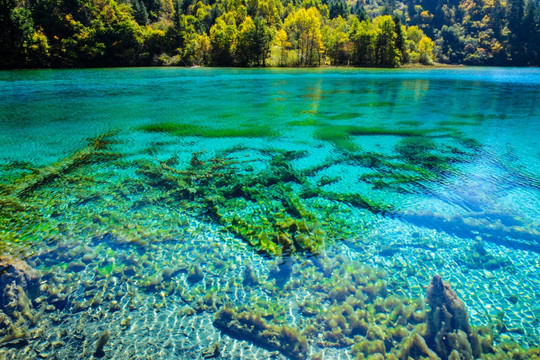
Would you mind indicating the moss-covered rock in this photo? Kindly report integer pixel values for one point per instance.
(19, 284)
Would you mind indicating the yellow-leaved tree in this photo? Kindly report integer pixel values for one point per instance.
(282, 45)
(425, 47)
(303, 29)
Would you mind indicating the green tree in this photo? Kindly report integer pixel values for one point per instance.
(336, 41)
(9, 36)
(16, 26)
(22, 44)
(363, 36)
(139, 12)
(63, 33)
(202, 50)
(496, 17)
(245, 45)
(517, 37)
(400, 40)
(262, 39)
(360, 12)
(451, 44)
(197, 50)
(223, 40)
(338, 8)
(387, 54)
(155, 43)
(269, 10)
(514, 16)
(531, 32)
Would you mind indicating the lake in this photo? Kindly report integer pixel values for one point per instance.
(173, 213)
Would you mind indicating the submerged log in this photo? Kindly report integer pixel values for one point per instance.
(43, 176)
(12, 197)
(513, 236)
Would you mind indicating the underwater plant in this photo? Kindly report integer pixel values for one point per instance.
(101, 342)
(283, 214)
(260, 208)
(178, 129)
(249, 326)
(96, 151)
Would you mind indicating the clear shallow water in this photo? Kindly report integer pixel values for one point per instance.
(397, 175)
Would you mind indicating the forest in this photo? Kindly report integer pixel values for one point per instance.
(252, 33)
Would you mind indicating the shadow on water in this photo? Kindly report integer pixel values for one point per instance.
(489, 226)
(282, 270)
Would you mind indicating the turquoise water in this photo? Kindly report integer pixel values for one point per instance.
(155, 202)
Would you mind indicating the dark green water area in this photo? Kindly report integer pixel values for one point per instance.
(168, 213)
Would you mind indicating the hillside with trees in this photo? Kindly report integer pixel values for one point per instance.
(371, 33)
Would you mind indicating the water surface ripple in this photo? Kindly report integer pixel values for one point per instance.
(171, 212)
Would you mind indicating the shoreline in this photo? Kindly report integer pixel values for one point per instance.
(337, 67)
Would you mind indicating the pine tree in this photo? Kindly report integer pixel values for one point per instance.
(140, 12)
(496, 18)
(400, 40)
(514, 17)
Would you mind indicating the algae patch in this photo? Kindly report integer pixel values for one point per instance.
(177, 129)
(341, 136)
(247, 325)
(258, 207)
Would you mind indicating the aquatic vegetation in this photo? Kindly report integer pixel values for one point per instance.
(13, 334)
(212, 351)
(350, 306)
(310, 308)
(101, 342)
(326, 180)
(305, 122)
(364, 316)
(456, 123)
(19, 286)
(154, 245)
(421, 151)
(381, 131)
(179, 129)
(96, 151)
(415, 346)
(344, 116)
(247, 325)
(337, 136)
(469, 142)
(195, 274)
(422, 156)
(360, 201)
(17, 273)
(273, 219)
(22, 211)
(313, 170)
(341, 136)
(409, 122)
